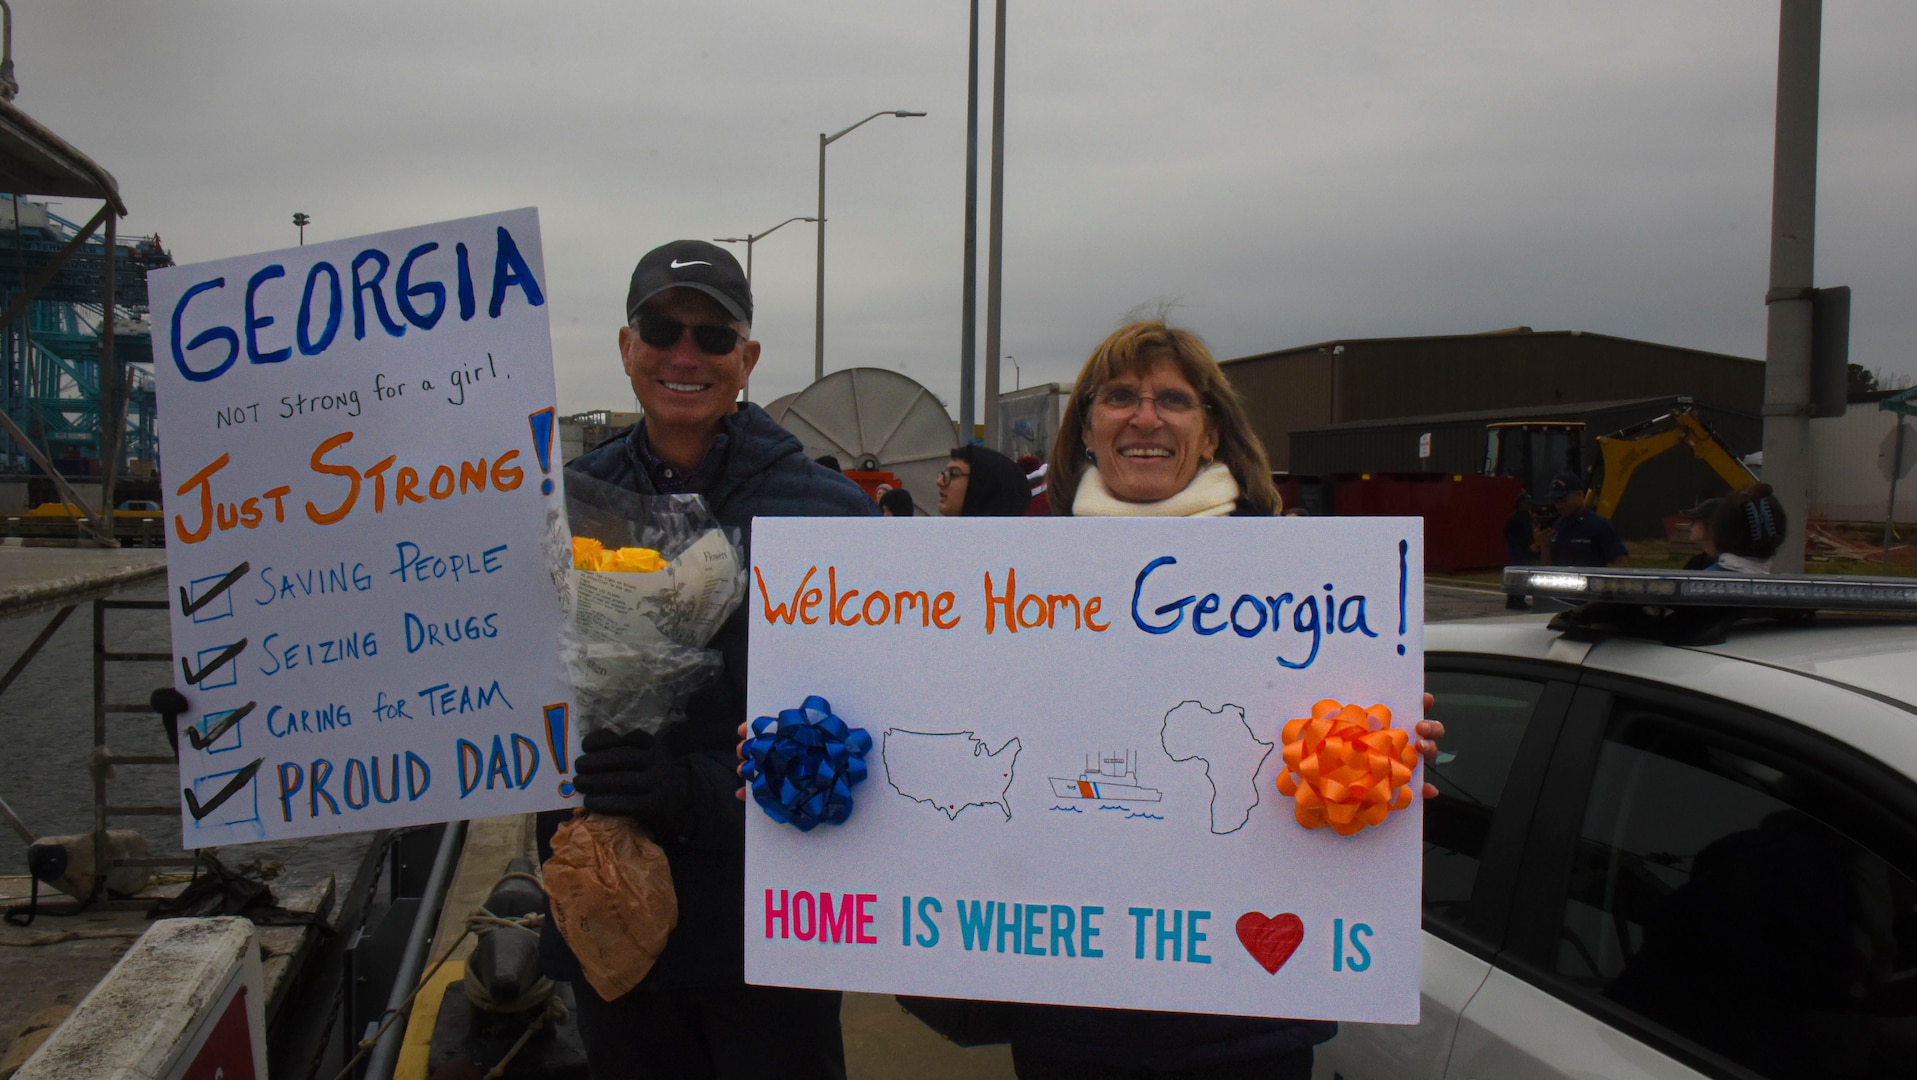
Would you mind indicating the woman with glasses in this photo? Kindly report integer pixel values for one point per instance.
(983, 483)
(1154, 429)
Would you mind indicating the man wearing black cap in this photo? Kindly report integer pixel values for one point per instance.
(687, 349)
(1578, 537)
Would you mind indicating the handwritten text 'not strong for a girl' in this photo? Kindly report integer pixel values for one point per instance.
(1164, 600)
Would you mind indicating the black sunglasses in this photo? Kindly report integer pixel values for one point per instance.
(663, 333)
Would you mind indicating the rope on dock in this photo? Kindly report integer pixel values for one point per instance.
(480, 922)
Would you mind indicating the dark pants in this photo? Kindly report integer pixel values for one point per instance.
(1295, 1065)
(713, 1033)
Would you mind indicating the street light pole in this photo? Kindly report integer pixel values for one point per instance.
(302, 221)
(995, 227)
(748, 240)
(818, 315)
(968, 297)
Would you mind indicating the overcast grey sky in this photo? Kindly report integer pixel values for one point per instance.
(1283, 172)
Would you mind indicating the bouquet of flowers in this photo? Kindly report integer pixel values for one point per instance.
(646, 581)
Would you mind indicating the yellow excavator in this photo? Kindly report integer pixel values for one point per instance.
(1535, 451)
(1624, 451)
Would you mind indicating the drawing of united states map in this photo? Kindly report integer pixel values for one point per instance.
(1231, 753)
(949, 770)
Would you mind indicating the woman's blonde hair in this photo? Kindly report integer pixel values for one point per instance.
(1133, 349)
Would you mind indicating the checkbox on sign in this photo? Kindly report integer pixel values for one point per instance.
(225, 671)
(214, 608)
(229, 739)
(239, 807)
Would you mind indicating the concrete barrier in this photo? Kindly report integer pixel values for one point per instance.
(185, 1003)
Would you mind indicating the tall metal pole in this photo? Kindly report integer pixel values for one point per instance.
(111, 390)
(968, 334)
(1787, 347)
(818, 311)
(1890, 510)
(995, 256)
(745, 388)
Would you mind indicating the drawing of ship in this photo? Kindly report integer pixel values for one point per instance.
(1113, 778)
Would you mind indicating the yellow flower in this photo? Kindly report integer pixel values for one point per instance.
(590, 554)
(633, 561)
(586, 552)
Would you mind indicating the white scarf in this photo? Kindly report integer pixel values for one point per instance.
(1743, 564)
(1212, 493)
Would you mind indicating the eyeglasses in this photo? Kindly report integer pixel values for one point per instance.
(1123, 399)
(953, 475)
(663, 333)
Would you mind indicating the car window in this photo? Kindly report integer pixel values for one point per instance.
(1719, 891)
(1484, 717)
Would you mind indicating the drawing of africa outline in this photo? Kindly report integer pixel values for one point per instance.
(1232, 755)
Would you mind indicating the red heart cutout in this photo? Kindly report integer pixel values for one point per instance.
(1270, 941)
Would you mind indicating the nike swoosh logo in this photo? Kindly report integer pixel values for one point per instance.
(676, 264)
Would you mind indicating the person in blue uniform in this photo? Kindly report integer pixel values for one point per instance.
(1579, 537)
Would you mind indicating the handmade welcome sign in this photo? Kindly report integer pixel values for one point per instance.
(1134, 763)
(358, 470)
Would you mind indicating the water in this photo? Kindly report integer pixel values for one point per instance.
(47, 718)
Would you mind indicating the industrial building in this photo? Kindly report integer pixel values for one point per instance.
(1422, 404)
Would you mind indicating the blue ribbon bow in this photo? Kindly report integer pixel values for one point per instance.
(803, 764)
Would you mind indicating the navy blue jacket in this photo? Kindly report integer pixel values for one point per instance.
(765, 473)
(1585, 539)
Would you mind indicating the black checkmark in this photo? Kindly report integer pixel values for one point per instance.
(201, 742)
(188, 607)
(231, 789)
(219, 661)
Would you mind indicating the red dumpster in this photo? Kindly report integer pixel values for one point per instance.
(1463, 514)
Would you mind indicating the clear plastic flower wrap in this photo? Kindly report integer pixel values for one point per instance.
(646, 581)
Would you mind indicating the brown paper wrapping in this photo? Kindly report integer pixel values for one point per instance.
(612, 899)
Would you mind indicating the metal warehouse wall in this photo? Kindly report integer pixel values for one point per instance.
(1386, 378)
(1285, 393)
(1662, 486)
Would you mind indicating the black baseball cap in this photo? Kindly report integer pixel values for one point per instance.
(1566, 483)
(691, 264)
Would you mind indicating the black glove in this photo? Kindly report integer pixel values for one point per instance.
(634, 776)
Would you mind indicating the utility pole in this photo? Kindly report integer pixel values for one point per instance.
(996, 257)
(968, 335)
(1787, 346)
(302, 221)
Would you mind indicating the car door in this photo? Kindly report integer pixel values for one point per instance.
(1500, 719)
(1707, 891)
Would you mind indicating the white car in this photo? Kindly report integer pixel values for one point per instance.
(1661, 860)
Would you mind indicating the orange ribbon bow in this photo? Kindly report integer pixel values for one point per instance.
(1343, 765)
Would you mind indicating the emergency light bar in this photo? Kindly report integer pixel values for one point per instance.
(1710, 588)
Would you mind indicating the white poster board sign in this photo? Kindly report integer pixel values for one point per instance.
(1085, 810)
(358, 455)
